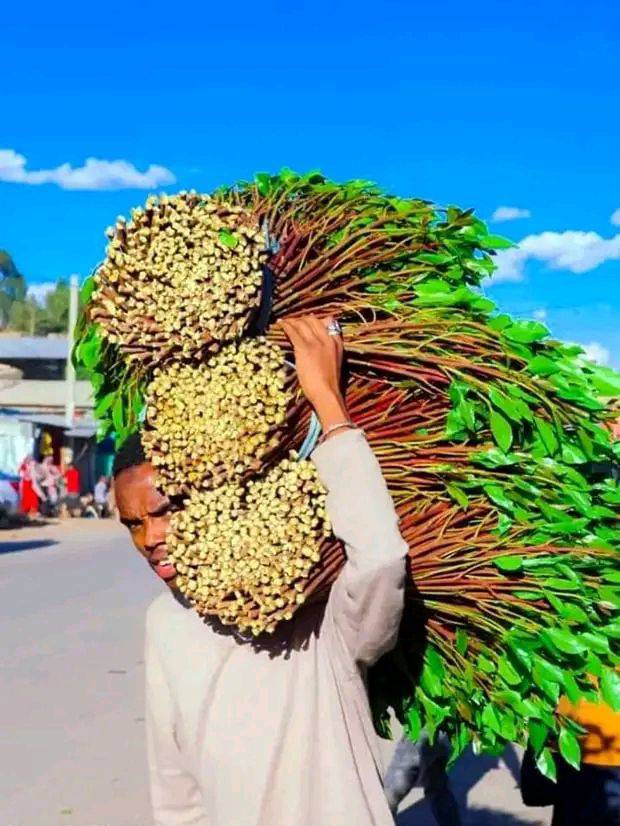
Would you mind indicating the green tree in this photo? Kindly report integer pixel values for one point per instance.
(53, 316)
(12, 286)
(25, 316)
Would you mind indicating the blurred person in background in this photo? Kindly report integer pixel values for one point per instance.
(424, 764)
(50, 479)
(30, 493)
(101, 497)
(590, 795)
(72, 489)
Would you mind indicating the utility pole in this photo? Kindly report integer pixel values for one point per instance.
(33, 315)
(69, 371)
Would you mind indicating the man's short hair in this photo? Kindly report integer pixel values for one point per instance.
(130, 454)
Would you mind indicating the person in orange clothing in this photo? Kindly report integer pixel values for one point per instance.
(600, 746)
(590, 795)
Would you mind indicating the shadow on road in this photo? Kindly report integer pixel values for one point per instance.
(468, 771)
(27, 545)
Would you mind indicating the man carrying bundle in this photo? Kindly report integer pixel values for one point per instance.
(275, 730)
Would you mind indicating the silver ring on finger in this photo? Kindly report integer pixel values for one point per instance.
(334, 328)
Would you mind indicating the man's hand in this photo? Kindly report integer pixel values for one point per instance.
(318, 360)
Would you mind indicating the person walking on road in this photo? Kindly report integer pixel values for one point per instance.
(275, 730)
(423, 763)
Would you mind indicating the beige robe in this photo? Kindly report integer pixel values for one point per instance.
(241, 734)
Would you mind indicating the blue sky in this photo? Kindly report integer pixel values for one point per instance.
(486, 105)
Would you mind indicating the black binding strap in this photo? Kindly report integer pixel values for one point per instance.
(260, 321)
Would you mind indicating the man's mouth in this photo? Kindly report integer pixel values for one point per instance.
(162, 565)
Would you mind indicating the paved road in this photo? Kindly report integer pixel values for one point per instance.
(72, 600)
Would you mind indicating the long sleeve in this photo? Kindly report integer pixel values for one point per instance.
(175, 796)
(366, 601)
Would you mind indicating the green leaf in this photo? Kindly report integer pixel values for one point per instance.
(490, 719)
(497, 495)
(573, 692)
(520, 651)
(430, 682)
(546, 765)
(538, 733)
(118, 416)
(461, 641)
(573, 613)
(509, 563)
(507, 724)
(547, 671)
(466, 410)
(550, 689)
(493, 457)
(595, 642)
(570, 748)
(508, 672)
(86, 290)
(606, 380)
(612, 630)
(501, 430)
(104, 404)
(542, 366)
(528, 595)
(500, 322)
(573, 455)
(228, 239)
(434, 662)
(504, 524)
(263, 183)
(514, 408)
(455, 427)
(414, 723)
(564, 641)
(526, 332)
(610, 688)
(496, 242)
(610, 595)
(458, 495)
(485, 664)
(559, 584)
(89, 350)
(547, 435)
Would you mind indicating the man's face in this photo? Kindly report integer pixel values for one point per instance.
(146, 513)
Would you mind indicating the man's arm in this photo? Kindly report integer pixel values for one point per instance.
(175, 796)
(366, 601)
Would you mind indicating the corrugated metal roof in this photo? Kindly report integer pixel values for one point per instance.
(83, 426)
(33, 347)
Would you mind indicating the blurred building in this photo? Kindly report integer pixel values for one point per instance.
(32, 408)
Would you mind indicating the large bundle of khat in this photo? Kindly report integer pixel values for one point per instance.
(493, 439)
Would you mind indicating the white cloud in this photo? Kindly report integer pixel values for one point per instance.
(615, 217)
(540, 315)
(506, 213)
(39, 291)
(573, 250)
(596, 352)
(96, 174)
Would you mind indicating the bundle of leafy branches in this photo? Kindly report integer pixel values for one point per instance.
(493, 438)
